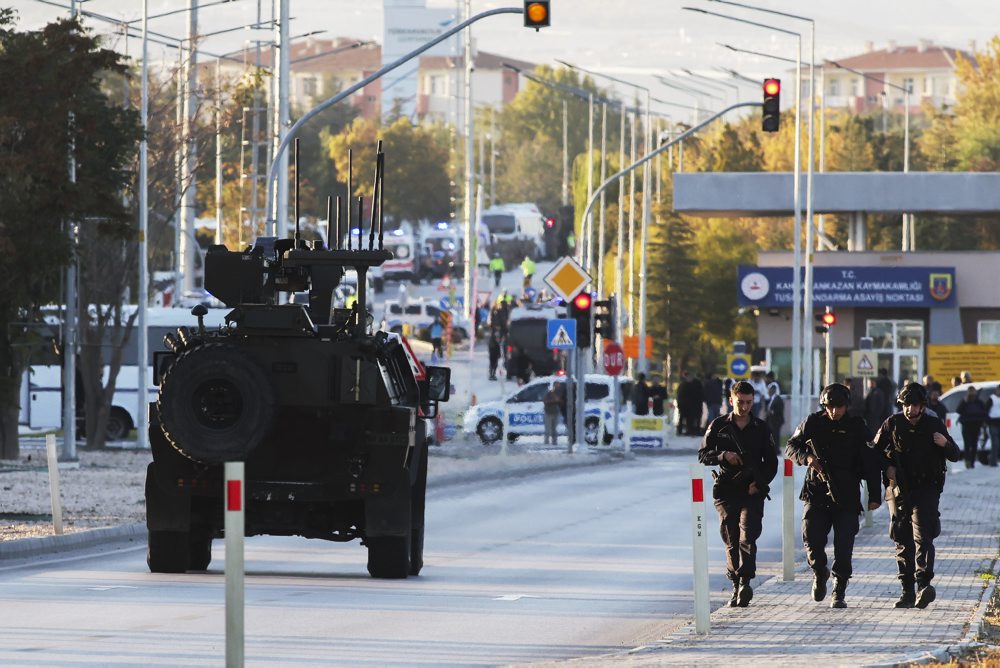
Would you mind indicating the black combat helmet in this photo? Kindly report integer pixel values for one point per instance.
(912, 393)
(835, 394)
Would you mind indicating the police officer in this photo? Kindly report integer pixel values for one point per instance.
(917, 448)
(741, 445)
(836, 448)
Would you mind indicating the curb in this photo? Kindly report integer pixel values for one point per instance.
(25, 548)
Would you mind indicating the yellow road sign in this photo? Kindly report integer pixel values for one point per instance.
(864, 364)
(738, 366)
(567, 278)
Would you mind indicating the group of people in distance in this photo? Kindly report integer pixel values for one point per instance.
(907, 455)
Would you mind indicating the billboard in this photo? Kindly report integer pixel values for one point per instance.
(408, 24)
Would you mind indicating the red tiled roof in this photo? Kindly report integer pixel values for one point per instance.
(929, 57)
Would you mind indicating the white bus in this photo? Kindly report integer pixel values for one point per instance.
(42, 386)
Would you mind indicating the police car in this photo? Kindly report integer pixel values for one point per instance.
(522, 413)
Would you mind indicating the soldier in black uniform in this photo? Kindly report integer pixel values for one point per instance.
(741, 445)
(836, 448)
(917, 448)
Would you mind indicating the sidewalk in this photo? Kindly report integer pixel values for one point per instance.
(784, 626)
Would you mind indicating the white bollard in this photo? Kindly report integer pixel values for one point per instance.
(234, 527)
(53, 463)
(788, 522)
(699, 545)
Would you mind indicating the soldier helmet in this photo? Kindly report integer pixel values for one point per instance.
(912, 393)
(835, 395)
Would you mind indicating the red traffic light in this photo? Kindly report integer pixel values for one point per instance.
(582, 301)
(772, 86)
(550, 222)
(829, 318)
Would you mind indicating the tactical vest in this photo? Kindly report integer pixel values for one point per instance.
(923, 463)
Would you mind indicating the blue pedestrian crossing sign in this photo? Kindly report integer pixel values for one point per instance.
(739, 366)
(561, 334)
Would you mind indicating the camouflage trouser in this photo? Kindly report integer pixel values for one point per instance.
(914, 528)
(740, 519)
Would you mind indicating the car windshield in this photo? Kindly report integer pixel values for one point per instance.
(532, 393)
(499, 223)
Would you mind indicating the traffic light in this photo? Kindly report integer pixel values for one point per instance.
(579, 309)
(772, 105)
(604, 319)
(536, 14)
(828, 318)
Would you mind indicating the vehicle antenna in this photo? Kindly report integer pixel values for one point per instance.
(350, 193)
(298, 236)
(339, 231)
(381, 191)
(375, 190)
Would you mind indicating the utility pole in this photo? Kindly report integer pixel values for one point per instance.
(469, 309)
(189, 150)
(283, 54)
(142, 298)
(69, 322)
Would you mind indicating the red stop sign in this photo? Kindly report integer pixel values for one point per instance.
(614, 359)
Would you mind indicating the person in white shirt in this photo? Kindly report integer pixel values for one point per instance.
(993, 424)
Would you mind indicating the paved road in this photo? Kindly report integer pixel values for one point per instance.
(552, 566)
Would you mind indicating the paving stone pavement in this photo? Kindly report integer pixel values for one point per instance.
(784, 626)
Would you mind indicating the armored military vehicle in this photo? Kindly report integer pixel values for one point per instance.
(329, 417)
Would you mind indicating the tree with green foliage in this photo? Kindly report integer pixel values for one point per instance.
(416, 159)
(60, 109)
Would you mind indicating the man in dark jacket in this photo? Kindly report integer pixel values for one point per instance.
(835, 447)
(972, 415)
(640, 396)
(741, 445)
(916, 449)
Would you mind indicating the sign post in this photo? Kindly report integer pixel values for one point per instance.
(788, 522)
(614, 361)
(699, 546)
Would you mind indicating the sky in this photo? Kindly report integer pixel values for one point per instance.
(628, 39)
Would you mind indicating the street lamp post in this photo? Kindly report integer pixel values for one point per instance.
(797, 315)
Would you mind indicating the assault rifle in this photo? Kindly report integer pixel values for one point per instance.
(752, 468)
(824, 476)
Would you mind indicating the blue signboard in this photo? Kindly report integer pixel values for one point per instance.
(561, 334)
(738, 367)
(858, 287)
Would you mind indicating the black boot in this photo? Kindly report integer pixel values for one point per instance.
(734, 599)
(907, 598)
(745, 593)
(925, 595)
(839, 589)
(820, 578)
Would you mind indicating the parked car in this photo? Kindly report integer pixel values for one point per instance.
(420, 314)
(521, 413)
(952, 397)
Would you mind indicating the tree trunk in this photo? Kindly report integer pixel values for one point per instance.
(10, 448)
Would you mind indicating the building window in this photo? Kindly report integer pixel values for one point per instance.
(309, 87)
(989, 331)
(898, 346)
(908, 85)
(856, 87)
(834, 87)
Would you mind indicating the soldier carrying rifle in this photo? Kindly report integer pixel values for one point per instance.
(915, 446)
(742, 446)
(836, 448)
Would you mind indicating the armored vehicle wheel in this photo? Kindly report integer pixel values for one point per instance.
(590, 431)
(215, 404)
(119, 425)
(199, 550)
(167, 552)
(389, 556)
(490, 430)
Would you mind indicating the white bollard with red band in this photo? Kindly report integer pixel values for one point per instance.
(788, 522)
(699, 545)
(53, 463)
(233, 499)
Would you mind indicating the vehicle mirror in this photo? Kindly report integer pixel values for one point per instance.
(438, 383)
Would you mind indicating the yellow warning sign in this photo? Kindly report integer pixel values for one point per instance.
(945, 361)
(567, 278)
(863, 364)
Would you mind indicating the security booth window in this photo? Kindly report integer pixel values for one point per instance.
(989, 331)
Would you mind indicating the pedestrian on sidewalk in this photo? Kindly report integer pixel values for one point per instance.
(972, 414)
(916, 450)
(497, 266)
(553, 410)
(993, 422)
(742, 446)
(834, 445)
(494, 351)
(775, 411)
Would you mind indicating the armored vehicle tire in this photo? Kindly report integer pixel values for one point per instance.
(216, 404)
(389, 556)
(199, 550)
(167, 552)
(590, 431)
(490, 430)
